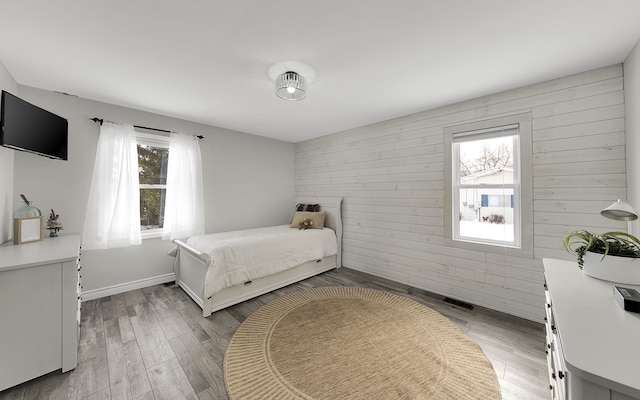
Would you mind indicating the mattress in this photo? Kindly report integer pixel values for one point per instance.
(241, 256)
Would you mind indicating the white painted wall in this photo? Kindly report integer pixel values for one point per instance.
(8, 84)
(248, 183)
(391, 175)
(632, 122)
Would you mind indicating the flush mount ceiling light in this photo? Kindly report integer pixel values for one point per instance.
(291, 86)
(291, 79)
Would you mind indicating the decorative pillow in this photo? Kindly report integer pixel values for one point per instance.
(316, 217)
(308, 207)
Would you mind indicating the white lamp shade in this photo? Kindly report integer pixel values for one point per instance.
(620, 211)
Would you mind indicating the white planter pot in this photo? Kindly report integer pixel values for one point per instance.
(611, 268)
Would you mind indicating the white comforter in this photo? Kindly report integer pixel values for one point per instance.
(241, 256)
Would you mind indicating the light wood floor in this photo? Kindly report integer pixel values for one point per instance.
(153, 343)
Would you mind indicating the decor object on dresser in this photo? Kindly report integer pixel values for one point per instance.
(629, 299)
(350, 342)
(612, 256)
(28, 223)
(592, 343)
(54, 224)
(222, 269)
(39, 308)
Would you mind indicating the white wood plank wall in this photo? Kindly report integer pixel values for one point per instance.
(391, 175)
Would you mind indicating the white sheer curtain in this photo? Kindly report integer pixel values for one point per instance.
(184, 204)
(113, 211)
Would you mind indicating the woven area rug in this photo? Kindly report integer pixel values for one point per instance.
(354, 343)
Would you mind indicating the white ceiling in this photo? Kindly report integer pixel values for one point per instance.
(208, 60)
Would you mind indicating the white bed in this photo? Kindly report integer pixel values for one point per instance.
(214, 286)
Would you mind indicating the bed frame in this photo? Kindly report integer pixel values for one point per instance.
(191, 266)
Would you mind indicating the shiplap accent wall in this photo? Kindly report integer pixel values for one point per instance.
(391, 175)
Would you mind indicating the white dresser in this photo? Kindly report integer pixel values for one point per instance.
(593, 345)
(39, 308)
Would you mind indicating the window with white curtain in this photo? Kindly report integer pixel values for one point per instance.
(171, 193)
(143, 186)
(184, 208)
(113, 213)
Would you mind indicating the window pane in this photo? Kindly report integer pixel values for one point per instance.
(487, 213)
(152, 165)
(152, 208)
(488, 161)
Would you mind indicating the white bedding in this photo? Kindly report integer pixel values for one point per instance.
(241, 256)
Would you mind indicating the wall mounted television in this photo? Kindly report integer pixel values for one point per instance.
(29, 128)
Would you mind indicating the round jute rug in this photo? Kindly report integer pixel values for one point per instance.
(354, 343)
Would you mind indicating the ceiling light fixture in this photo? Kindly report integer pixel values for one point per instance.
(291, 86)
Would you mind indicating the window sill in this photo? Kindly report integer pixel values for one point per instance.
(151, 234)
(522, 252)
(479, 242)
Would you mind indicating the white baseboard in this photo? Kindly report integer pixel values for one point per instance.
(125, 287)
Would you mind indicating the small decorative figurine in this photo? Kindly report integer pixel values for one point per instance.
(54, 224)
(306, 224)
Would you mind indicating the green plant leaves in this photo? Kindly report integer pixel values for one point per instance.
(621, 244)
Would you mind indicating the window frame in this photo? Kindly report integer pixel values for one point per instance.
(154, 140)
(523, 226)
(476, 136)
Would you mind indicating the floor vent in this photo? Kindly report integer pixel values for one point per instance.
(458, 303)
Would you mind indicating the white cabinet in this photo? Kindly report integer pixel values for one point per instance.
(39, 308)
(592, 343)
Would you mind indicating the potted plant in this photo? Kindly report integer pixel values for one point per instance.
(609, 256)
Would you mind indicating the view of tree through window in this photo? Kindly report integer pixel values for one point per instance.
(152, 170)
(484, 155)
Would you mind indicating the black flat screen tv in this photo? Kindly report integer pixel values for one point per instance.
(26, 127)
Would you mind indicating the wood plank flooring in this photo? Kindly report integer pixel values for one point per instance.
(153, 343)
